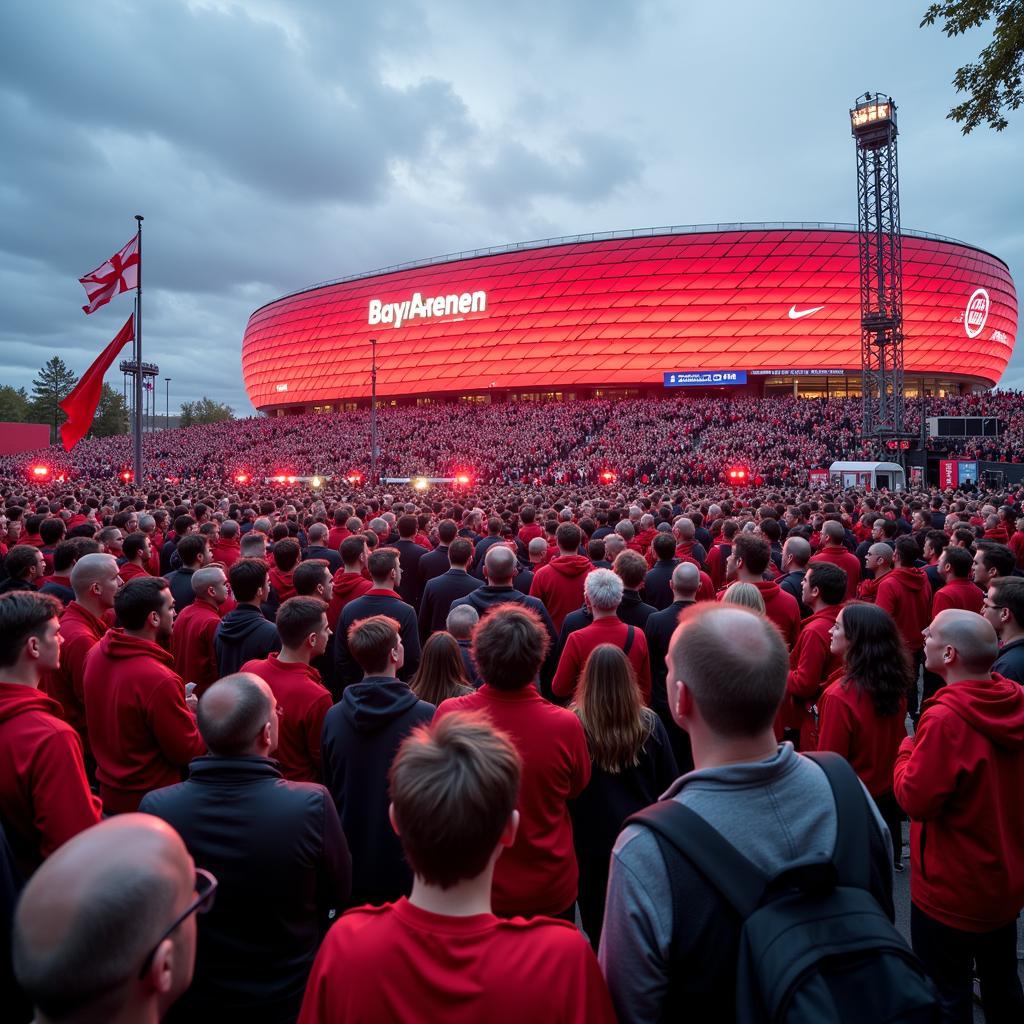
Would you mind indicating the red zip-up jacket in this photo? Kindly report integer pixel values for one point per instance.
(811, 663)
(960, 780)
(192, 644)
(44, 794)
(964, 594)
(80, 631)
(538, 873)
(142, 734)
(559, 584)
(347, 586)
(906, 595)
(304, 702)
(227, 551)
(580, 643)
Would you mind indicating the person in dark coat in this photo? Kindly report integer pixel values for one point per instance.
(317, 548)
(244, 633)
(361, 736)
(658, 581)
(25, 568)
(658, 631)
(386, 572)
(409, 552)
(435, 562)
(796, 553)
(194, 551)
(276, 849)
(441, 591)
(494, 525)
(1004, 608)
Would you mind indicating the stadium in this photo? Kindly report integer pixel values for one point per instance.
(758, 309)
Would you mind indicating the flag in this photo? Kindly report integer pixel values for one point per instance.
(119, 274)
(81, 404)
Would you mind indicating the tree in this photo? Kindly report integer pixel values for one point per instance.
(111, 414)
(52, 385)
(13, 404)
(204, 411)
(993, 83)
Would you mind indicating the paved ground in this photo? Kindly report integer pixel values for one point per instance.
(901, 893)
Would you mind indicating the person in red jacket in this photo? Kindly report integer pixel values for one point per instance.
(863, 711)
(286, 557)
(142, 730)
(718, 556)
(957, 590)
(960, 779)
(603, 594)
(538, 873)
(559, 584)
(192, 638)
(747, 564)
(44, 793)
(297, 687)
(441, 954)
(95, 581)
(138, 557)
(227, 549)
(351, 580)
(878, 562)
(906, 595)
(834, 551)
(811, 662)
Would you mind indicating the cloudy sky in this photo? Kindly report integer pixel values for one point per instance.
(271, 145)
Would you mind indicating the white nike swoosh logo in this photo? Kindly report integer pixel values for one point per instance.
(795, 314)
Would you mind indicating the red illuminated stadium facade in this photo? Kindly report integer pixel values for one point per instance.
(764, 309)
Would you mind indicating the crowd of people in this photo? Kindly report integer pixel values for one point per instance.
(668, 442)
(507, 749)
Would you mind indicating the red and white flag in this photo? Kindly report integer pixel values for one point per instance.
(119, 274)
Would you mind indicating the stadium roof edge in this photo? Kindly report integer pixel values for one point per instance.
(601, 236)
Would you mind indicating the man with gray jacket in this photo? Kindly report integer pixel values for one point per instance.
(727, 671)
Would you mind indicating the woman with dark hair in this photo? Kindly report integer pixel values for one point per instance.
(632, 765)
(441, 673)
(863, 710)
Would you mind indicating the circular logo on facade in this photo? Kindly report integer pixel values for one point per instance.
(976, 313)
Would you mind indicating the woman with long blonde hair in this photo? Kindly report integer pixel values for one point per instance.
(632, 765)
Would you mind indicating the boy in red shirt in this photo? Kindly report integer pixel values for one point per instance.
(441, 954)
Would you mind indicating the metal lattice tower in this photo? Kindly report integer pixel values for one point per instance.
(873, 122)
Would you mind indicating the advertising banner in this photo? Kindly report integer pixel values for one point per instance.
(703, 379)
(948, 473)
(817, 478)
(968, 472)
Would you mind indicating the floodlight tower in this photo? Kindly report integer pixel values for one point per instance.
(873, 122)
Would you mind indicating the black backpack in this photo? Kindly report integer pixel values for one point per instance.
(814, 947)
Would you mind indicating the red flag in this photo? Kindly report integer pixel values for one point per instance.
(119, 274)
(81, 404)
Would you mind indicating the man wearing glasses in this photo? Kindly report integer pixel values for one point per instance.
(105, 929)
(1004, 608)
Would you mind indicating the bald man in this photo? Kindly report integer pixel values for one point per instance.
(95, 581)
(833, 535)
(878, 563)
(960, 779)
(277, 848)
(195, 628)
(105, 930)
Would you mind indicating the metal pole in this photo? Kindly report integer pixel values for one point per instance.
(137, 425)
(167, 413)
(373, 412)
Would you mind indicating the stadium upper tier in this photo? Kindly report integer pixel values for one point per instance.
(753, 307)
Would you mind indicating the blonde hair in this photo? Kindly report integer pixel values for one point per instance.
(746, 595)
(611, 709)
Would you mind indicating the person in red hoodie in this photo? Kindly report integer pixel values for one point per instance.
(44, 793)
(957, 590)
(192, 638)
(411, 959)
(811, 662)
(960, 779)
(906, 595)
(138, 557)
(227, 550)
(747, 564)
(141, 727)
(559, 584)
(863, 711)
(834, 551)
(538, 873)
(530, 528)
(351, 580)
(296, 685)
(718, 556)
(96, 582)
(878, 562)
(286, 557)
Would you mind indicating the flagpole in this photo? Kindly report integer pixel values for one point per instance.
(137, 424)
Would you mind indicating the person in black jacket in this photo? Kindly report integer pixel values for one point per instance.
(409, 553)
(244, 633)
(317, 548)
(194, 551)
(796, 553)
(385, 570)
(277, 850)
(435, 562)
(361, 735)
(1004, 608)
(441, 591)
(658, 581)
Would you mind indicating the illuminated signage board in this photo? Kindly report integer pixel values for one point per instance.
(976, 313)
(703, 379)
(419, 308)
